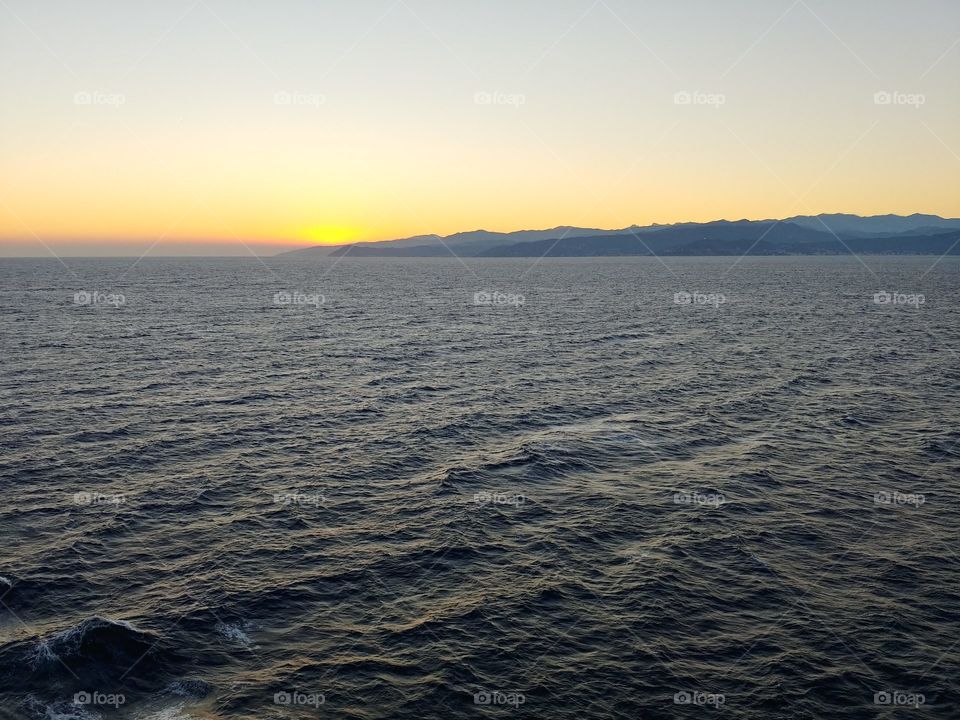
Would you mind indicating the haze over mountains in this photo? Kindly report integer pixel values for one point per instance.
(825, 234)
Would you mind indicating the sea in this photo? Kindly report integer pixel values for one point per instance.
(639, 488)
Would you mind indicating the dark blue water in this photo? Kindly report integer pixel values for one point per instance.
(372, 497)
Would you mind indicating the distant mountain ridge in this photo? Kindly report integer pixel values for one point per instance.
(825, 234)
(471, 242)
(855, 224)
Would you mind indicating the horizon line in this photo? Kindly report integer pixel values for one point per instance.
(285, 246)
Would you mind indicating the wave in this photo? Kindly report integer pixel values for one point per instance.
(95, 653)
(97, 640)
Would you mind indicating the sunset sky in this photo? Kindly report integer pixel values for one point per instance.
(213, 126)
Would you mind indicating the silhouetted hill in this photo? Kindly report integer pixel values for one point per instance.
(844, 223)
(472, 242)
(756, 239)
(801, 235)
(716, 238)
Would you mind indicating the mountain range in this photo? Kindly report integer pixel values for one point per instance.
(825, 234)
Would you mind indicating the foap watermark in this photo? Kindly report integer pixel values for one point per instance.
(895, 97)
(700, 499)
(286, 97)
(499, 697)
(98, 498)
(95, 697)
(486, 97)
(695, 97)
(298, 299)
(896, 298)
(95, 97)
(95, 297)
(899, 498)
(498, 299)
(499, 498)
(298, 498)
(699, 298)
(899, 698)
(295, 697)
(698, 697)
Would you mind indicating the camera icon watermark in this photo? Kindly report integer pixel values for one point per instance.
(296, 498)
(298, 299)
(899, 698)
(896, 298)
(899, 498)
(285, 97)
(95, 697)
(712, 299)
(499, 498)
(295, 697)
(95, 97)
(894, 97)
(485, 97)
(498, 697)
(498, 299)
(697, 697)
(95, 297)
(693, 97)
(699, 499)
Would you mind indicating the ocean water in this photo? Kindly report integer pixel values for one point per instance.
(379, 494)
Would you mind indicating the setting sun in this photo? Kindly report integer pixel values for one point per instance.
(331, 234)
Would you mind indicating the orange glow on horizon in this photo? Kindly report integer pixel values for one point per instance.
(330, 235)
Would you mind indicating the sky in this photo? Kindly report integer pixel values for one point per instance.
(225, 128)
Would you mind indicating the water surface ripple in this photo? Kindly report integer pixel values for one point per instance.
(598, 503)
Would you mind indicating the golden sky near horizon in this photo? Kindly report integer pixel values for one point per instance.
(297, 122)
